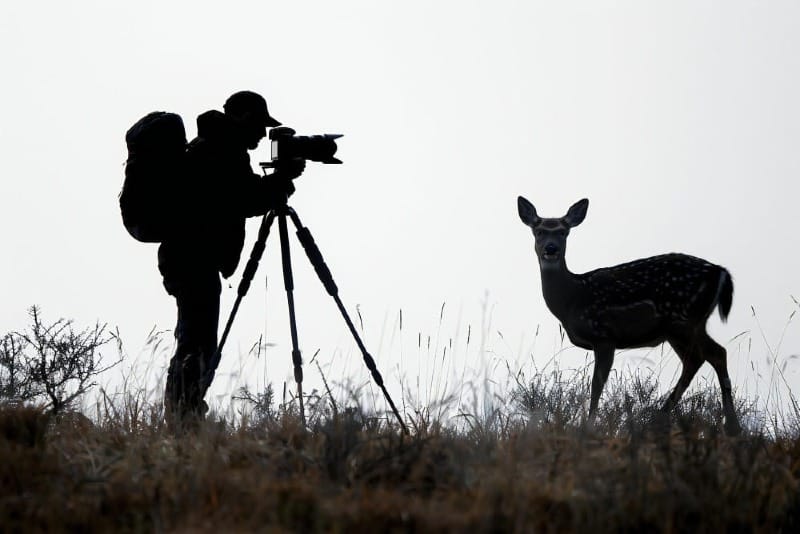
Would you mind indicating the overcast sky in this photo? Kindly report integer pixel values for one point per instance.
(680, 121)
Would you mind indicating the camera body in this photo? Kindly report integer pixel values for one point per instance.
(287, 145)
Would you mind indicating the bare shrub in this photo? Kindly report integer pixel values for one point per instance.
(51, 364)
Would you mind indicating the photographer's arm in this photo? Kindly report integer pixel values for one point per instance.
(261, 194)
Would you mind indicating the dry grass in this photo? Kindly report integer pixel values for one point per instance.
(539, 468)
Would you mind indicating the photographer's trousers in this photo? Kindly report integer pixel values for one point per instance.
(190, 371)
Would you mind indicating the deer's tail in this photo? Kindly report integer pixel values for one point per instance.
(725, 294)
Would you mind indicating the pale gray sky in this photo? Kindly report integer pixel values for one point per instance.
(678, 120)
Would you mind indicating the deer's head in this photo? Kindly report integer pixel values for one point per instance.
(550, 234)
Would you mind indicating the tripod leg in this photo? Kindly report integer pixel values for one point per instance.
(324, 274)
(288, 282)
(244, 286)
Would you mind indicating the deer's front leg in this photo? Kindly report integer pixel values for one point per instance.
(603, 358)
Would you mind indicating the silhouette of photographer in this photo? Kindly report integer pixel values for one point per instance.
(220, 192)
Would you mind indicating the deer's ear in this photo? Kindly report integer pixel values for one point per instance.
(527, 212)
(576, 213)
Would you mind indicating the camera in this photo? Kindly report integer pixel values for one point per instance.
(287, 145)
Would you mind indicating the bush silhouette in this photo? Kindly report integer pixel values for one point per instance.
(51, 365)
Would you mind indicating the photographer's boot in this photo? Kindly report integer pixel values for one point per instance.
(184, 407)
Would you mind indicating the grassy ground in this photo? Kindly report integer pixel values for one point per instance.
(536, 468)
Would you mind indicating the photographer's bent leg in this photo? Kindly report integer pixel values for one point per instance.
(196, 337)
(209, 342)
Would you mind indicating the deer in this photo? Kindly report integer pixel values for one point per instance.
(642, 303)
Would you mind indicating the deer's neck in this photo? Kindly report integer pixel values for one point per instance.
(559, 287)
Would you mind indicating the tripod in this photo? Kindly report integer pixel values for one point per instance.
(283, 212)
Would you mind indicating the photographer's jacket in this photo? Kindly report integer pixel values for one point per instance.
(216, 196)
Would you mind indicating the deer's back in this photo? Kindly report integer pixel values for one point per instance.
(644, 296)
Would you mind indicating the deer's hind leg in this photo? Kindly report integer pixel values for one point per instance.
(688, 351)
(717, 356)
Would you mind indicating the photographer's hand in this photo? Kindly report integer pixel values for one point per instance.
(289, 169)
(279, 189)
(280, 184)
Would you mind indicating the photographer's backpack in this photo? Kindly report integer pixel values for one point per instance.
(154, 171)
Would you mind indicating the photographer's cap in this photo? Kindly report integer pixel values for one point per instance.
(243, 102)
